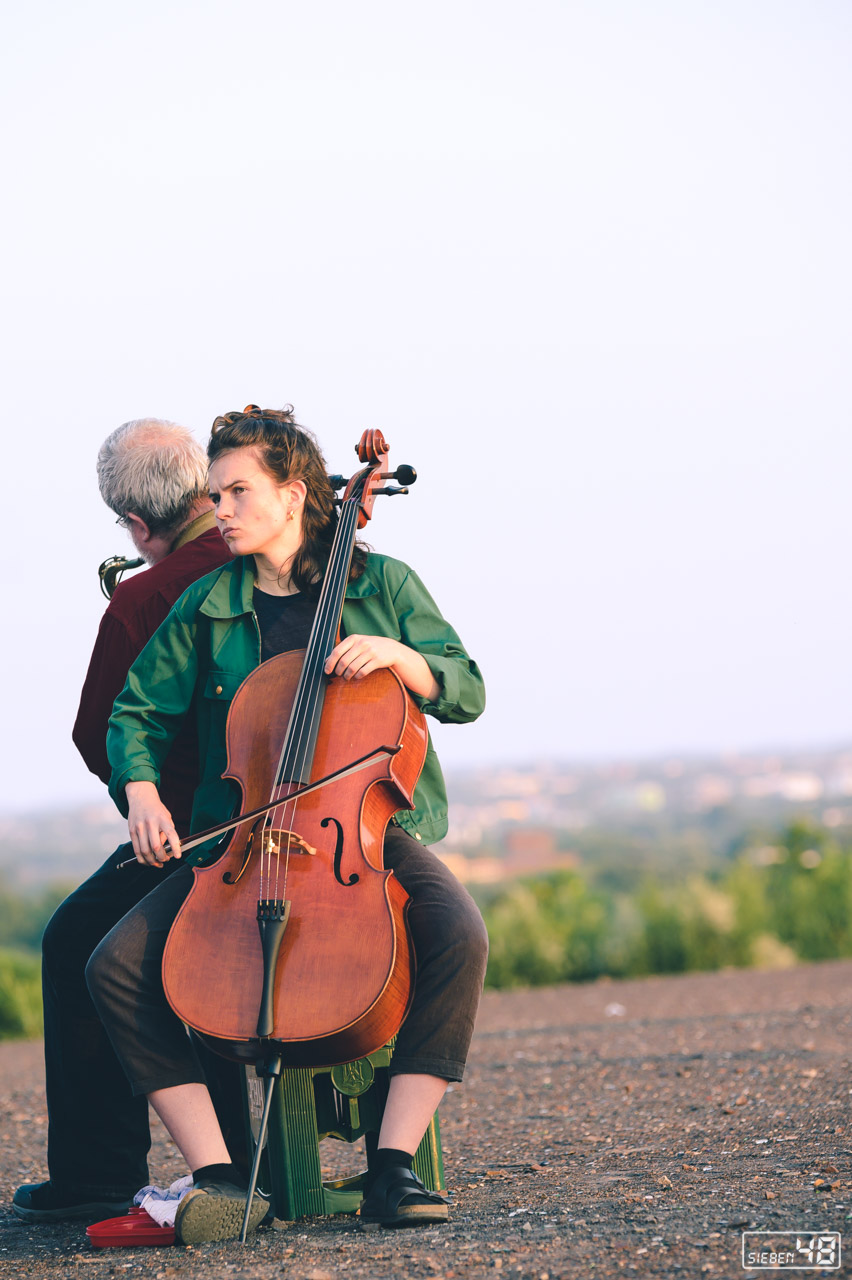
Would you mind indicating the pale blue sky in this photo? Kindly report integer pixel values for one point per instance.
(586, 264)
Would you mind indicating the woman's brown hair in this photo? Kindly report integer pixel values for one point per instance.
(288, 451)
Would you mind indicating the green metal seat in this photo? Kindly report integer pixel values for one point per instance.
(312, 1103)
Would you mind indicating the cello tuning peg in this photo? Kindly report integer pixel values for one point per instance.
(404, 474)
(389, 491)
(338, 482)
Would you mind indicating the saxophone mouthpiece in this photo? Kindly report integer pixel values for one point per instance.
(111, 571)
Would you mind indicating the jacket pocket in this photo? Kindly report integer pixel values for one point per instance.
(220, 686)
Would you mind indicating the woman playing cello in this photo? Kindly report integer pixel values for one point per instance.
(275, 509)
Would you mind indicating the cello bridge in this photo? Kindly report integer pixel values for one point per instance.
(282, 843)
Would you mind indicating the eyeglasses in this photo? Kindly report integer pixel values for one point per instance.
(123, 522)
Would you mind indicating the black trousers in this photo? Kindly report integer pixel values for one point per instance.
(98, 1138)
(450, 945)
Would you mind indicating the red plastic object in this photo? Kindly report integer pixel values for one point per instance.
(136, 1227)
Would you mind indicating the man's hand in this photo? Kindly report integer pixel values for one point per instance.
(150, 825)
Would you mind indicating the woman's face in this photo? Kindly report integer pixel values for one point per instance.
(252, 509)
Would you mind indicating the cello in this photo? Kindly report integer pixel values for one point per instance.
(292, 947)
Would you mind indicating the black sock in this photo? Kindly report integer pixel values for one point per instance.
(220, 1173)
(385, 1158)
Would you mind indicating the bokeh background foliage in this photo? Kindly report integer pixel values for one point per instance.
(22, 920)
(768, 905)
(772, 906)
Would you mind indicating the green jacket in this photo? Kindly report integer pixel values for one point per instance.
(210, 642)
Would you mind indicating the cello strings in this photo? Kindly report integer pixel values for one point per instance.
(287, 751)
(294, 750)
(319, 647)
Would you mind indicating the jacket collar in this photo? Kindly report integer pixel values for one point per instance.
(231, 593)
(201, 524)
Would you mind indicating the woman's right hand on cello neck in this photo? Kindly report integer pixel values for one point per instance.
(150, 825)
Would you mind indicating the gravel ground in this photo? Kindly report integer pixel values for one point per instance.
(622, 1127)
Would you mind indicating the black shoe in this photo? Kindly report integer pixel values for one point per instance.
(214, 1210)
(43, 1202)
(398, 1198)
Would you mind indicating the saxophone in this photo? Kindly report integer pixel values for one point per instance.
(112, 570)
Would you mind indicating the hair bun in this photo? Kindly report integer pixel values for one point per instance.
(252, 408)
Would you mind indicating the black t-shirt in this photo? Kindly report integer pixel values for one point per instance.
(285, 622)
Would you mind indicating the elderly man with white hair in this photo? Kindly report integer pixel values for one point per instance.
(153, 475)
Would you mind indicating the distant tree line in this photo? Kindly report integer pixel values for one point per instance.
(775, 902)
(773, 905)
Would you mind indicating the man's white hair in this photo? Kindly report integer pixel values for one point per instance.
(154, 469)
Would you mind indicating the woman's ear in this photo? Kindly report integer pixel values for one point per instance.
(297, 492)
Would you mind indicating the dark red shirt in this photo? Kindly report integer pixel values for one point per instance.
(139, 605)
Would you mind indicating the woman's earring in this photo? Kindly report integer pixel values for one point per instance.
(291, 514)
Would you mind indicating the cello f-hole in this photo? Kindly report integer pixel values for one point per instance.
(232, 880)
(338, 855)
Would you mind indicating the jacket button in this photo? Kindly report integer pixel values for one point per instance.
(218, 688)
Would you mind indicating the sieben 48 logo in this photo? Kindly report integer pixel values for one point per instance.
(791, 1250)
